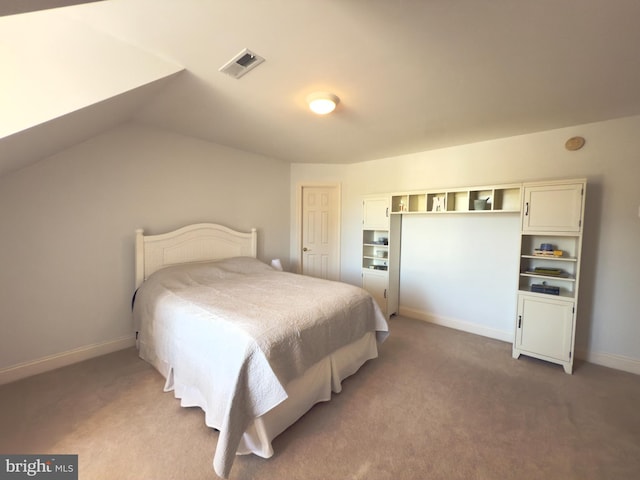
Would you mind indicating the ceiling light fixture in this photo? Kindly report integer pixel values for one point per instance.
(322, 102)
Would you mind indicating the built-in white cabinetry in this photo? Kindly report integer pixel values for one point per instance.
(380, 253)
(548, 284)
(552, 215)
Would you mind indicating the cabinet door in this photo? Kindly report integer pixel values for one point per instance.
(545, 327)
(553, 208)
(375, 213)
(375, 283)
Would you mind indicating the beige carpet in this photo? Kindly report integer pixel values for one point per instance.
(437, 404)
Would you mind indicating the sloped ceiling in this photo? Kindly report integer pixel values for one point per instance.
(64, 81)
(412, 75)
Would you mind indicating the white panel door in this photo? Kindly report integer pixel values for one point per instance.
(320, 232)
(545, 327)
(375, 213)
(553, 208)
(375, 282)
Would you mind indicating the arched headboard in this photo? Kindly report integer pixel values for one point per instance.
(194, 243)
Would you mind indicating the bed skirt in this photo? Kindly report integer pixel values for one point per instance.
(315, 385)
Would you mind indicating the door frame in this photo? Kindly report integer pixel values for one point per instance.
(297, 255)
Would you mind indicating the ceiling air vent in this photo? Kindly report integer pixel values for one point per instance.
(242, 63)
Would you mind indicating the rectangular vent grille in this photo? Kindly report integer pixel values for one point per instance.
(241, 64)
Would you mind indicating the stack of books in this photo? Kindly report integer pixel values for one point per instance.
(554, 272)
(543, 288)
(548, 253)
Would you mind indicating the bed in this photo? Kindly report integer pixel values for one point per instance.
(254, 347)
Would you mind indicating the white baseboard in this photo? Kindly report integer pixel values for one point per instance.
(41, 365)
(458, 324)
(619, 362)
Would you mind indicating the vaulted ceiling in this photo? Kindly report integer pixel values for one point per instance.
(412, 75)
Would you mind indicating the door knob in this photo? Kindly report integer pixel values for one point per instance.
(305, 249)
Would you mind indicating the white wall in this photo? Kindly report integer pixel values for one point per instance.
(608, 325)
(461, 271)
(68, 224)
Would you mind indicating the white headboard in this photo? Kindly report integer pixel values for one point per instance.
(194, 243)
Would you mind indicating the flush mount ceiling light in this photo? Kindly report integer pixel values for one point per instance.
(322, 102)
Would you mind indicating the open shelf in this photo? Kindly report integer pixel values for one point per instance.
(497, 198)
(565, 262)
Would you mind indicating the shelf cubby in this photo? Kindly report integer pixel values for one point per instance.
(436, 202)
(506, 199)
(418, 202)
(399, 203)
(486, 194)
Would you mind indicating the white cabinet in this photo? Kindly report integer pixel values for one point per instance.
(553, 208)
(548, 284)
(545, 328)
(376, 283)
(380, 253)
(375, 213)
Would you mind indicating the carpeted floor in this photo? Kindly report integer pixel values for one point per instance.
(437, 404)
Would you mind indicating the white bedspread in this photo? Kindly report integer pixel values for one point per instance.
(231, 334)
